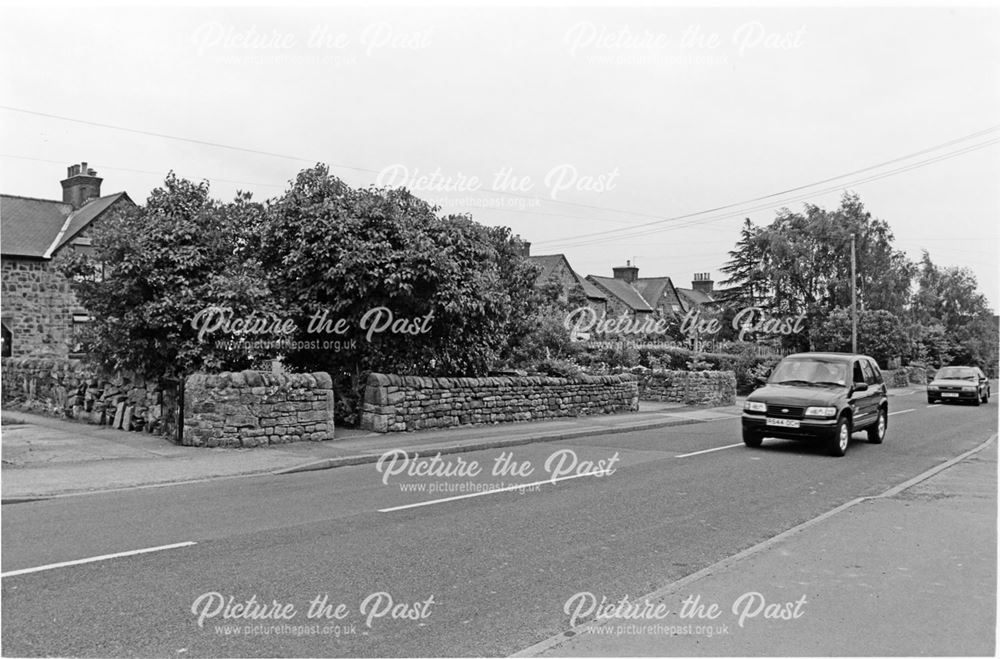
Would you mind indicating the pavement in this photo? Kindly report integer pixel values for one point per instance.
(45, 457)
(909, 572)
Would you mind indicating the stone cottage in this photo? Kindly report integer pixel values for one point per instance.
(555, 267)
(702, 293)
(637, 296)
(39, 312)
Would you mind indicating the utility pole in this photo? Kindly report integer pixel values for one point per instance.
(854, 301)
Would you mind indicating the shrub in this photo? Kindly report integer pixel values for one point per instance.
(559, 368)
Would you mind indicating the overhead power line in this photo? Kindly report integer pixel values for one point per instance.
(641, 230)
(658, 219)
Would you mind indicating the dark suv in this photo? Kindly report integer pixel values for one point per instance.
(819, 395)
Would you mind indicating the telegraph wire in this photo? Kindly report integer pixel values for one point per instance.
(591, 239)
(659, 219)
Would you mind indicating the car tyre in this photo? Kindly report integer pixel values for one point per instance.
(876, 432)
(986, 397)
(977, 401)
(841, 438)
(752, 439)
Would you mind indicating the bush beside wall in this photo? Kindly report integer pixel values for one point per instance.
(398, 403)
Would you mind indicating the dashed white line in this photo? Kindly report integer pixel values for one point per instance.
(901, 412)
(708, 450)
(509, 488)
(94, 559)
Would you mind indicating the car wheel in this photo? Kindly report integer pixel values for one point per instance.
(876, 432)
(841, 438)
(931, 401)
(977, 401)
(752, 439)
(986, 396)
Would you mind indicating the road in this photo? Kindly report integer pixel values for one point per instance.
(473, 575)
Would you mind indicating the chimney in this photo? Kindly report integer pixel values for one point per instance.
(702, 282)
(628, 272)
(525, 248)
(80, 185)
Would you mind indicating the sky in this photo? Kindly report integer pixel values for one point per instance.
(608, 134)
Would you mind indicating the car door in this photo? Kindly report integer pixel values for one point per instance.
(862, 401)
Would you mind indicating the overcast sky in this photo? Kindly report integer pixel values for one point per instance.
(558, 122)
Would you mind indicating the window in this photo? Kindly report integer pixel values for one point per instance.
(81, 324)
(876, 371)
(859, 375)
(868, 372)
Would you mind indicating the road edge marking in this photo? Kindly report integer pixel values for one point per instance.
(554, 641)
(94, 559)
(709, 450)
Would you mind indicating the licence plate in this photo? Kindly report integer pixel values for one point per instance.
(949, 395)
(784, 423)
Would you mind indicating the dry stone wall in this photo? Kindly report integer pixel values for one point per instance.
(249, 408)
(398, 403)
(71, 389)
(707, 388)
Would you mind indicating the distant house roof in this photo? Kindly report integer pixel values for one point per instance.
(658, 291)
(696, 297)
(37, 228)
(549, 263)
(622, 290)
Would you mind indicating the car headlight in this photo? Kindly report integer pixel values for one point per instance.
(968, 388)
(821, 411)
(933, 387)
(754, 406)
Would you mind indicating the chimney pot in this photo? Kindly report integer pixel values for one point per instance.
(702, 281)
(80, 185)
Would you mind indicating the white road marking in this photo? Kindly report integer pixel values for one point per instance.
(708, 450)
(94, 559)
(901, 411)
(509, 488)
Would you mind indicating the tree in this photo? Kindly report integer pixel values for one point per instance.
(329, 248)
(544, 335)
(747, 283)
(154, 268)
(801, 263)
(880, 334)
(949, 299)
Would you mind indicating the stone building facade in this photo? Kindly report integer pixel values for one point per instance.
(39, 313)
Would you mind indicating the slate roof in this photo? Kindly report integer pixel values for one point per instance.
(623, 291)
(695, 296)
(28, 226)
(548, 264)
(658, 291)
(37, 228)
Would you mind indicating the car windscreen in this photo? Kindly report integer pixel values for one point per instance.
(955, 374)
(809, 371)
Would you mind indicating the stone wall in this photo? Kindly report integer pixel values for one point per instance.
(257, 409)
(70, 389)
(905, 376)
(398, 403)
(38, 307)
(708, 388)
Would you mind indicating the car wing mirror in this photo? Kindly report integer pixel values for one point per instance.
(860, 386)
